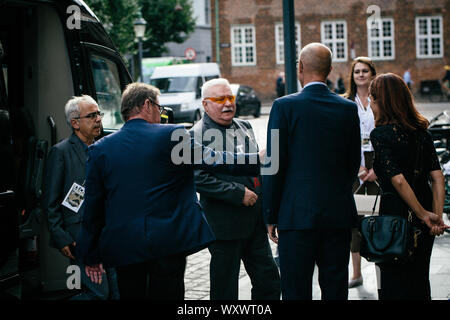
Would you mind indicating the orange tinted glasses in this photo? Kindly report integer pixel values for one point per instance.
(221, 100)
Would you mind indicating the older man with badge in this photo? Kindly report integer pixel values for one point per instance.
(64, 190)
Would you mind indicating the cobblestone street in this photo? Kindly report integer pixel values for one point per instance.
(197, 275)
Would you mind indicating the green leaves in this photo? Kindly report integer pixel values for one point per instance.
(167, 21)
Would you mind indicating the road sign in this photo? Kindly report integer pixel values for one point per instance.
(190, 53)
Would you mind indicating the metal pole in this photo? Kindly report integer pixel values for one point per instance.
(216, 10)
(290, 56)
(141, 74)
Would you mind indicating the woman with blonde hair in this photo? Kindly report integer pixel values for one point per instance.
(405, 162)
(362, 72)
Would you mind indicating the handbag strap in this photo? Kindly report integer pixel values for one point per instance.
(376, 198)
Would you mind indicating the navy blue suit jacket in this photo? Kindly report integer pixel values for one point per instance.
(320, 152)
(139, 204)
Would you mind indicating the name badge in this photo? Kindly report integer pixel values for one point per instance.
(366, 145)
(74, 198)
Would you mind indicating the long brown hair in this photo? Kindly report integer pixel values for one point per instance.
(395, 103)
(351, 88)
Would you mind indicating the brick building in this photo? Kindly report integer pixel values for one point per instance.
(411, 33)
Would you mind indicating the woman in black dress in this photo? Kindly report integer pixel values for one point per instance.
(399, 137)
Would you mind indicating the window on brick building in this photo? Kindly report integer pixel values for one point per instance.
(279, 41)
(243, 45)
(381, 40)
(334, 36)
(429, 37)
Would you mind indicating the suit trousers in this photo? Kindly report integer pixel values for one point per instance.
(156, 279)
(256, 254)
(301, 250)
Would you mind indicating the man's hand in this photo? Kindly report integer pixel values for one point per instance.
(95, 272)
(249, 198)
(67, 253)
(272, 231)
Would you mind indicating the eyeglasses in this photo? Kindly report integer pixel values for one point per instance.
(161, 108)
(221, 100)
(92, 115)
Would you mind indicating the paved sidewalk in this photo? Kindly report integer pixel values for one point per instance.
(197, 275)
(197, 270)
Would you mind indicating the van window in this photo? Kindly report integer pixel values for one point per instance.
(107, 86)
(176, 84)
(246, 90)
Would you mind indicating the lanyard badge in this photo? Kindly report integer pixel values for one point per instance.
(74, 198)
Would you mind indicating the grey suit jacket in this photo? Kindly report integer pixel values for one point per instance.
(66, 164)
(221, 195)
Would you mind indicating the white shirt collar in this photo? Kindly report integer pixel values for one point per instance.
(312, 83)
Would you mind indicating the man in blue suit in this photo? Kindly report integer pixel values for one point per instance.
(142, 214)
(308, 204)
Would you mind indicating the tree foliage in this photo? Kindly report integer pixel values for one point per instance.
(167, 21)
(117, 17)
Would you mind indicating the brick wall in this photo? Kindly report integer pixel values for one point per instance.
(263, 14)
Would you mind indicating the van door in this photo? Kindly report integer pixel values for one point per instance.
(9, 217)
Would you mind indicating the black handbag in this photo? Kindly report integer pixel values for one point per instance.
(389, 238)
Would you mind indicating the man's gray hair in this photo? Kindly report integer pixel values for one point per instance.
(213, 82)
(72, 108)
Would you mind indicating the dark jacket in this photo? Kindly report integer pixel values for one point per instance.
(66, 164)
(319, 156)
(221, 195)
(140, 201)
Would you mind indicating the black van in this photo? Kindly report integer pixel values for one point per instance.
(49, 52)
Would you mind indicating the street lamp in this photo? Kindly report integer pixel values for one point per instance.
(139, 30)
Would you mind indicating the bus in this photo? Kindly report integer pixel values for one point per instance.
(49, 52)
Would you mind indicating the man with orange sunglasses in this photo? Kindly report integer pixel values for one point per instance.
(232, 204)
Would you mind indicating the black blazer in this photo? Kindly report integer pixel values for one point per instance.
(221, 195)
(66, 164)
(319, 155)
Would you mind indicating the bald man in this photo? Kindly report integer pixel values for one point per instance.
(308, 204)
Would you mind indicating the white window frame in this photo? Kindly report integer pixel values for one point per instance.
(380, 39)
(429, 36)
(243, 45)
(279, 41)
(333, 40)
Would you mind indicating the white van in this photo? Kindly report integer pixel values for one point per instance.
(180, 87)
